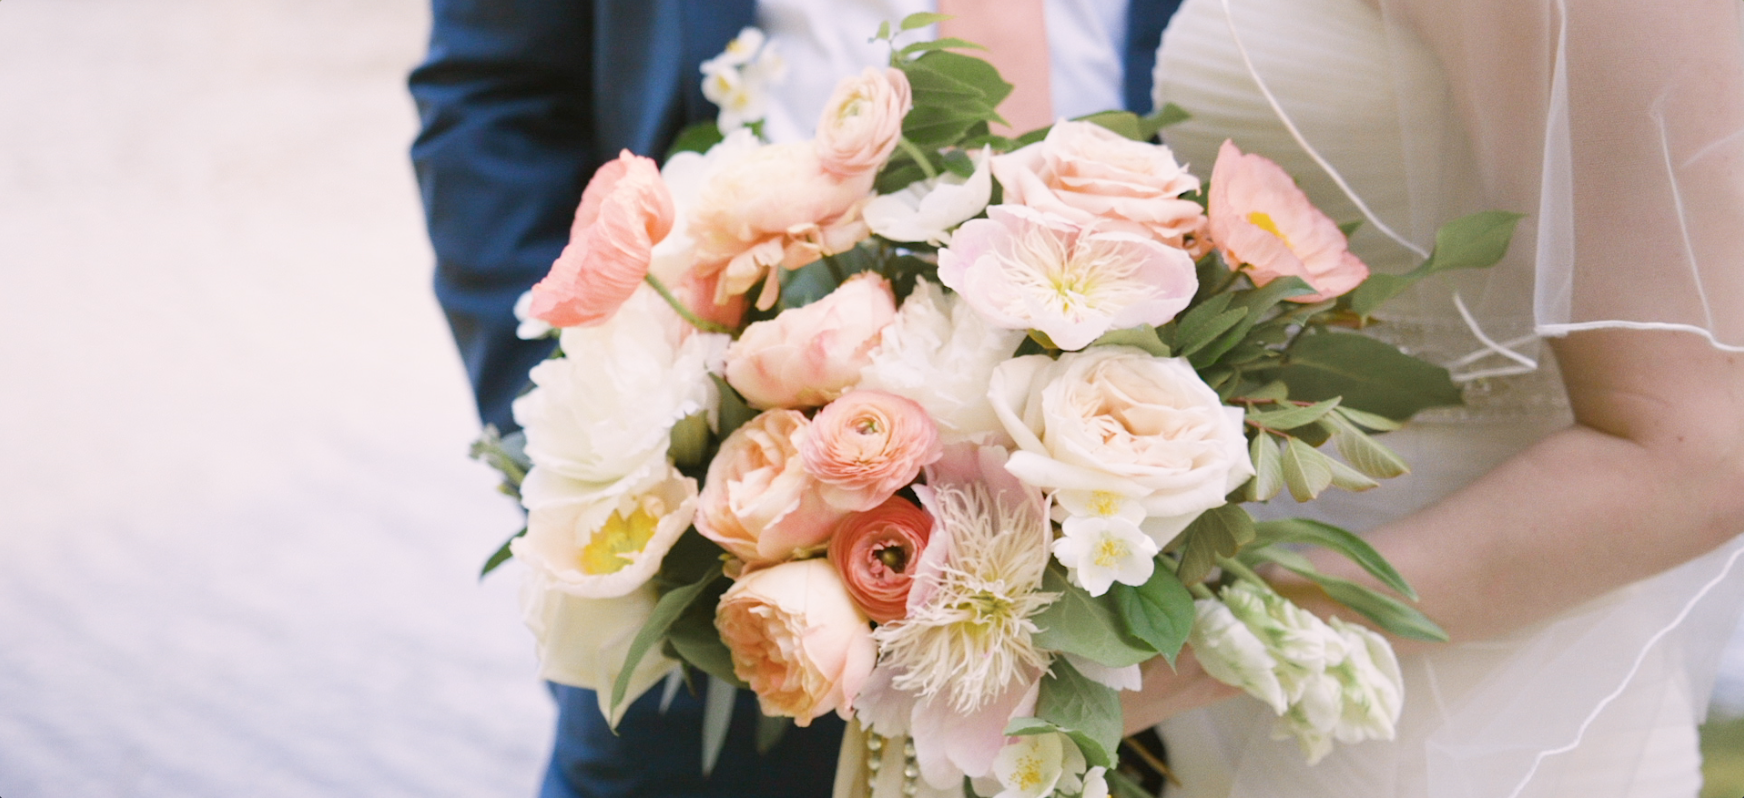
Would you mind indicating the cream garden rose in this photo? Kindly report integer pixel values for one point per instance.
(1115, 423)
(797, 639)
(1084, 172)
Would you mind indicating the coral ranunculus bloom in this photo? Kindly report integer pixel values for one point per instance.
(876, 553)
(624, 212)
(1260, 219)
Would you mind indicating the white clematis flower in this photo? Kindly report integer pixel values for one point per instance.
(941, 354)
(927, 210)
(1101, 550)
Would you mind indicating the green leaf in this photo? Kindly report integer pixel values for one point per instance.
(1143, 337)
(1122, 786)
(1217, 532)
(695, 640)
(1293, 417)
(1078, 623)
(933, 126)
(1087, 745)
(1367, 455)
(940, 44)
(734, 412)
(1307, 472)
(1349, 228)
(1159, 612)
(883, 31)
(921, 19)
(770, 730)
(1075, 703)
(1346, 478)
(505, 453)
(1369, 420)
(696, 138)
(1370, 375)
(1197, 327)
(1470, 242)
(967, 69)
(1169, 114)
(1268, 468)
(1258, 302)
(1275, 390)
(1327, 536)
(1125, 123)
(666, 611)
(501, 555)
(1389, 613)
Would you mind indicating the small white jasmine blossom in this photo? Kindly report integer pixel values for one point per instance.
(529, 329)
(742, 49)
(1128, 678)
(1032, 766)
(1102, 550)
(738, 80)
(927, 210)
(1095, 783)
(1231, 653)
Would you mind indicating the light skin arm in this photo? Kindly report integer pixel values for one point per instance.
(1651, 475)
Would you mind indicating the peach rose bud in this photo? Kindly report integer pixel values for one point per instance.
(807, 356)
(876, 553)
(865, 446)
(1260, 219)
(759, 502)
(624, 212)
(862, 121)
(797, 639)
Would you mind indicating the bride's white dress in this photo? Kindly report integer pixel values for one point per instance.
(1598, 702)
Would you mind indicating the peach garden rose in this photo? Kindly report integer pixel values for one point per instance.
(807, 356)
(797, 639)
(758, 501)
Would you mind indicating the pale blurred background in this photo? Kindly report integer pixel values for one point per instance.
(238, 531)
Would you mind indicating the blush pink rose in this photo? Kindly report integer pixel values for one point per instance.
(797, 639)
(1085, 172)
(624, 212)
(1260, 219)
(775, 207)
(876, 553)
(809, 355)
(862, 121)
(758, 502)
(865, 446)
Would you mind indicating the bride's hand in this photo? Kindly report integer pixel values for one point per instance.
(1170, 692)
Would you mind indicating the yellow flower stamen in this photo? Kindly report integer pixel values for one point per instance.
(1264, 222)
(1110, 551)
(616, 543)
(1104, 503)
(1028, 774)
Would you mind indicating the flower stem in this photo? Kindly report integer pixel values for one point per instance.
(926, 164)
(1235, 566)
(701, 324)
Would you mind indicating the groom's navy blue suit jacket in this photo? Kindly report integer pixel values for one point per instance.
(520, 100)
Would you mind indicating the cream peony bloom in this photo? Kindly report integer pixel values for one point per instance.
(927, 210)
(940, 353)
(1114, 423)
(602, 418)
(1025, 269)
(583, 642)
(603, 547)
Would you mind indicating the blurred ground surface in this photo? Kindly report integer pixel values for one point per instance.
(238, 533)
(237, 530)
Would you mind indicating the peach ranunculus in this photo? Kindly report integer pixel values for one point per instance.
(776, 207)
(809, 355)
(1260, 219)
(876, 551)
(1083, 171)
(865, 446)
(758, 501)
(797, 639)
(1025, 269)
(862, 121)
(624, 212)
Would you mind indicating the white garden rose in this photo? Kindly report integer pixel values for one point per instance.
(583, 642)
(1231, 653)
(1114, 422)
(602, 546)
(941, 354)
(602, 416)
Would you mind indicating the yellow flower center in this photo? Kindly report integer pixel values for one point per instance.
(1028, 774)
(1104, 503)
(1110, 551)
(1264, 222)
(613, 547)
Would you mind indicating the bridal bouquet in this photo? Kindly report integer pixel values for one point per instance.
(947, 432)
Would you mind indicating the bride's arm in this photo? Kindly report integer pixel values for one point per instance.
(1651, 475)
